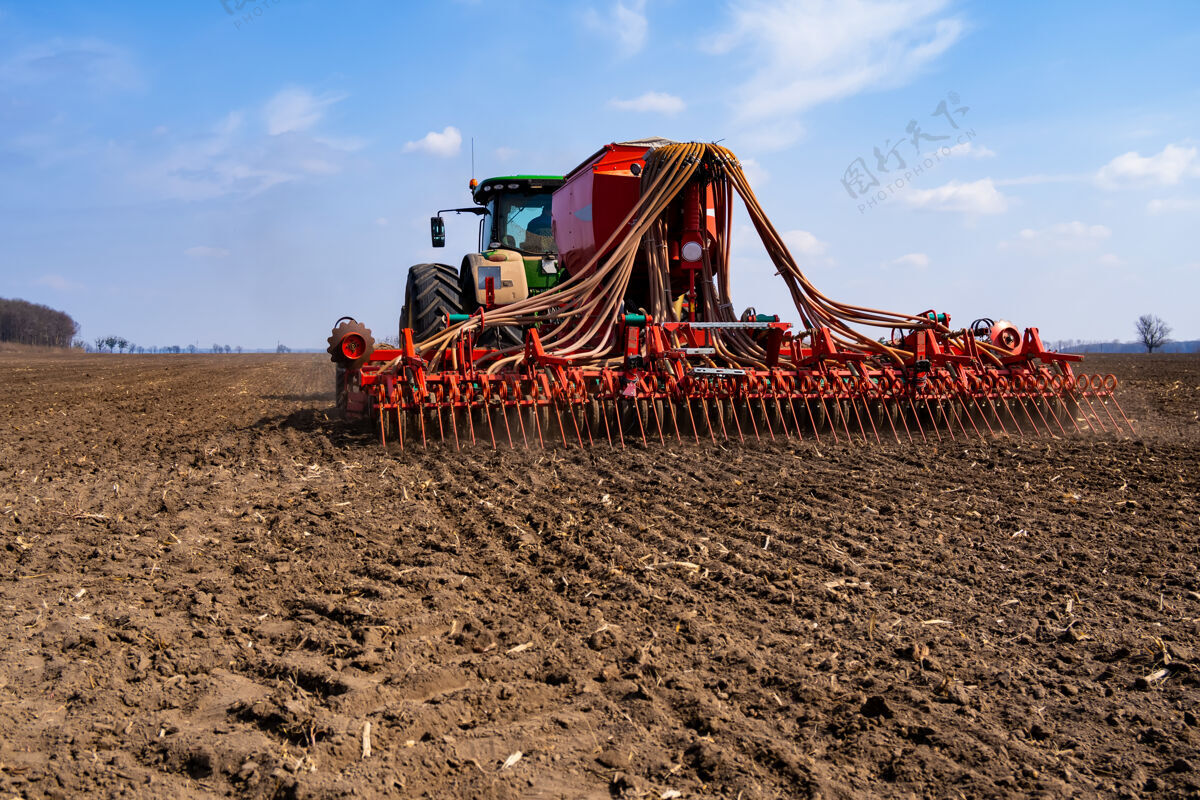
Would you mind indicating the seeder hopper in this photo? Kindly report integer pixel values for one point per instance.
(598, 308)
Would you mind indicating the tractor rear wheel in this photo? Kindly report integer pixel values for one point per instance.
(431, 293)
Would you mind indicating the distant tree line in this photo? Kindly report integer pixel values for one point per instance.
(30, 323)
(1118, 346)
(119, 344)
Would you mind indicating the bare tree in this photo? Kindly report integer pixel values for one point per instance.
(1152, 331)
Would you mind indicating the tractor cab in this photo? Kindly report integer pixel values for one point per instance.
(518, 214)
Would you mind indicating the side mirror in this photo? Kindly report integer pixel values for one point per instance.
(437, 231)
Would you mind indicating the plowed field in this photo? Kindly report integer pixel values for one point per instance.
(213, 588)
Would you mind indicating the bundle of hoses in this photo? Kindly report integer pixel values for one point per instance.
(577, 319)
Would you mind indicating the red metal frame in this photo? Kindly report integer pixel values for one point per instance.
(946, 390)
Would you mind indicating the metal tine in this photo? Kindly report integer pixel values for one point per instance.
(721, 419)
(812, 419)
(579, 407)
(537, 420)
(675, 419)
(858, 418)
(903, 419)
(521, 420)
(1102, 400)
(507, 430)
(471, 422)
(841, 409)
(604, 416)
(1058, 400)
(1044, 421)
(692, 416)
(454, 426)
(982, 415)
(767, 417)
(795, 420)
(995, 411)
(1021, 399)
(1050, 408)
(707, 419)
(932, 418)
(946, 401)
(829, 416)
(441, 428)
(1004, 403)
(870, 419)
(382, 428)
(941, 404)
(888, 416)
(620, 427)
(837, 403)
(967, 412)
(558, 412)
(745, 404)
(1090, 414)
(737, 423)
(1075, 396)
(1029, 416)
(658, 420)
(912, 404)
(1132, 432)
(421, 417)
(638, 413)
(558, 416)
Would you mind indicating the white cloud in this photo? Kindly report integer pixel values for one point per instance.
(972, 150)
(59, 284)
(977, 197)
(1111, 260)
(1069, 236)
(1167, 205)
(88, 63)
(805, 53)
(295, 109)
(317, 166)
(771, 135)
(505, 153)
(444, 144)
(1166, 168)
(382, 222)
(803, 243)
(659, 102)
(202, 251)
(913, 260)
(756, 174)
(1037, 180)
(1071, 231)
(626, 22)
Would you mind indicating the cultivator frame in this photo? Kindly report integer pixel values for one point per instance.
(810, 386)
(646, 226)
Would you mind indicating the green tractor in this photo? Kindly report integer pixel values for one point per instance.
(516, 258)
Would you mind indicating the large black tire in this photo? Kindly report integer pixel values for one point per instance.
(431, 293)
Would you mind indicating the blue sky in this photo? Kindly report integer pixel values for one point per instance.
(175, 174)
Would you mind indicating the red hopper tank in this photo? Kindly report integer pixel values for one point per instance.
(596, 196)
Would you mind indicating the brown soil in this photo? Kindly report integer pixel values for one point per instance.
(212, 588)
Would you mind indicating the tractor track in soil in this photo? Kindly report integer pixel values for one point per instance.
(211, 586)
